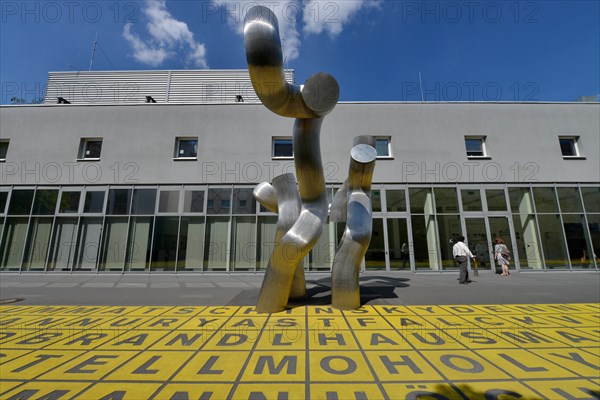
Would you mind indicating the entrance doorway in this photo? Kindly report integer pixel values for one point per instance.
(480, 235)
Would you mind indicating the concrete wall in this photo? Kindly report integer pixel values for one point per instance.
(234, 142)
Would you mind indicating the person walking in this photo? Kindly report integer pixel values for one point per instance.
(461, 253)
(502, 255)
(404, 254)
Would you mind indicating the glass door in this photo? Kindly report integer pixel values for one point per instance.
(88, 244)
(398, 253)
(479, 243)
(500, 228)
(375, 256)
(481, 234)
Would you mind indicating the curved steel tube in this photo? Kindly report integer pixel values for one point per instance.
(265, 194)
(298, 241)
(308, 104)
(345, 290)
(315, 99)
(339, 204)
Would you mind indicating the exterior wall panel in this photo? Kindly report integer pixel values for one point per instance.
(234, 142)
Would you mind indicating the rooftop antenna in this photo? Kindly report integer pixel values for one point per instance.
(421, 87)
(93, 51)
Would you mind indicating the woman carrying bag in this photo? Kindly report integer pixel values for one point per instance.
(502, 255)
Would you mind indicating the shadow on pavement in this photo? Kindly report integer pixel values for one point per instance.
(373, 290)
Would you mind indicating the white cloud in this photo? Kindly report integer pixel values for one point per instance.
(287, 13)
(167, 35)
(331, 16)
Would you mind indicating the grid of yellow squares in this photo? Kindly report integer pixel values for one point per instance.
(513, 351)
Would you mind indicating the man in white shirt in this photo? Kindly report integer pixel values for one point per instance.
(460, 252)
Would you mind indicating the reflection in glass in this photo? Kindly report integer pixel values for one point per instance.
(88, 246)
(382, 146)
(449, 228)
(219, 201)
(495, 199)
(375, 257)
(216, 244)
(169, 201)
(499, 228)
(579, 244)
(114, 244)
(471, 199)
(45, 202)
(474, 147)
(164, 247)
(396, 201)
(528, 243)
(119, 201)
(421, 201)
(94, 202)
(478, 242)
(569, 200)
(191, 244)
(267, 227)
(398, 243)
(591, 199)
(138, 244)
(520, 200)
(594, 229)
(69, 202)
(3, 198)
(193, 201)
(545, 200)
(321, 255)
(144, 201)
(445, 200)
(20, 202)
(425, 242)
(375, 200)
(553, 242)
(13, 242)
(243, 201)
(283, 148)
(243, 243)
(64, 239)
(37, 244)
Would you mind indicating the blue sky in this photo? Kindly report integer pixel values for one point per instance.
(465, 50)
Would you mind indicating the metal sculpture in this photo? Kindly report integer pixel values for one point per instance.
(302, 209)
(352, 204)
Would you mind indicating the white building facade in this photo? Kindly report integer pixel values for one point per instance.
(153, 171)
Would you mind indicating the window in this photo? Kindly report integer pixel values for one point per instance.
(119, 202)
(20, 202)
(568, 146)
(475, 146)
(282, 147)
(168, 201)
(186, 148)
(94, 202)
(69, 202)
(3, 149)
(144, 201)
(382, 145)
(45, 202)
(3, 198)
(90, 149)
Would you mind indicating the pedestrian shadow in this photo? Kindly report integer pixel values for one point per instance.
(373, 290)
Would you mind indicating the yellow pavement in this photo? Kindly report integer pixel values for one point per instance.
(516, 351)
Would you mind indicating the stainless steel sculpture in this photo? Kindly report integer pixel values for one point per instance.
(352, 203)
(303, 209)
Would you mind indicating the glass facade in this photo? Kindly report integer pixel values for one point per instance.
(194, 229)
